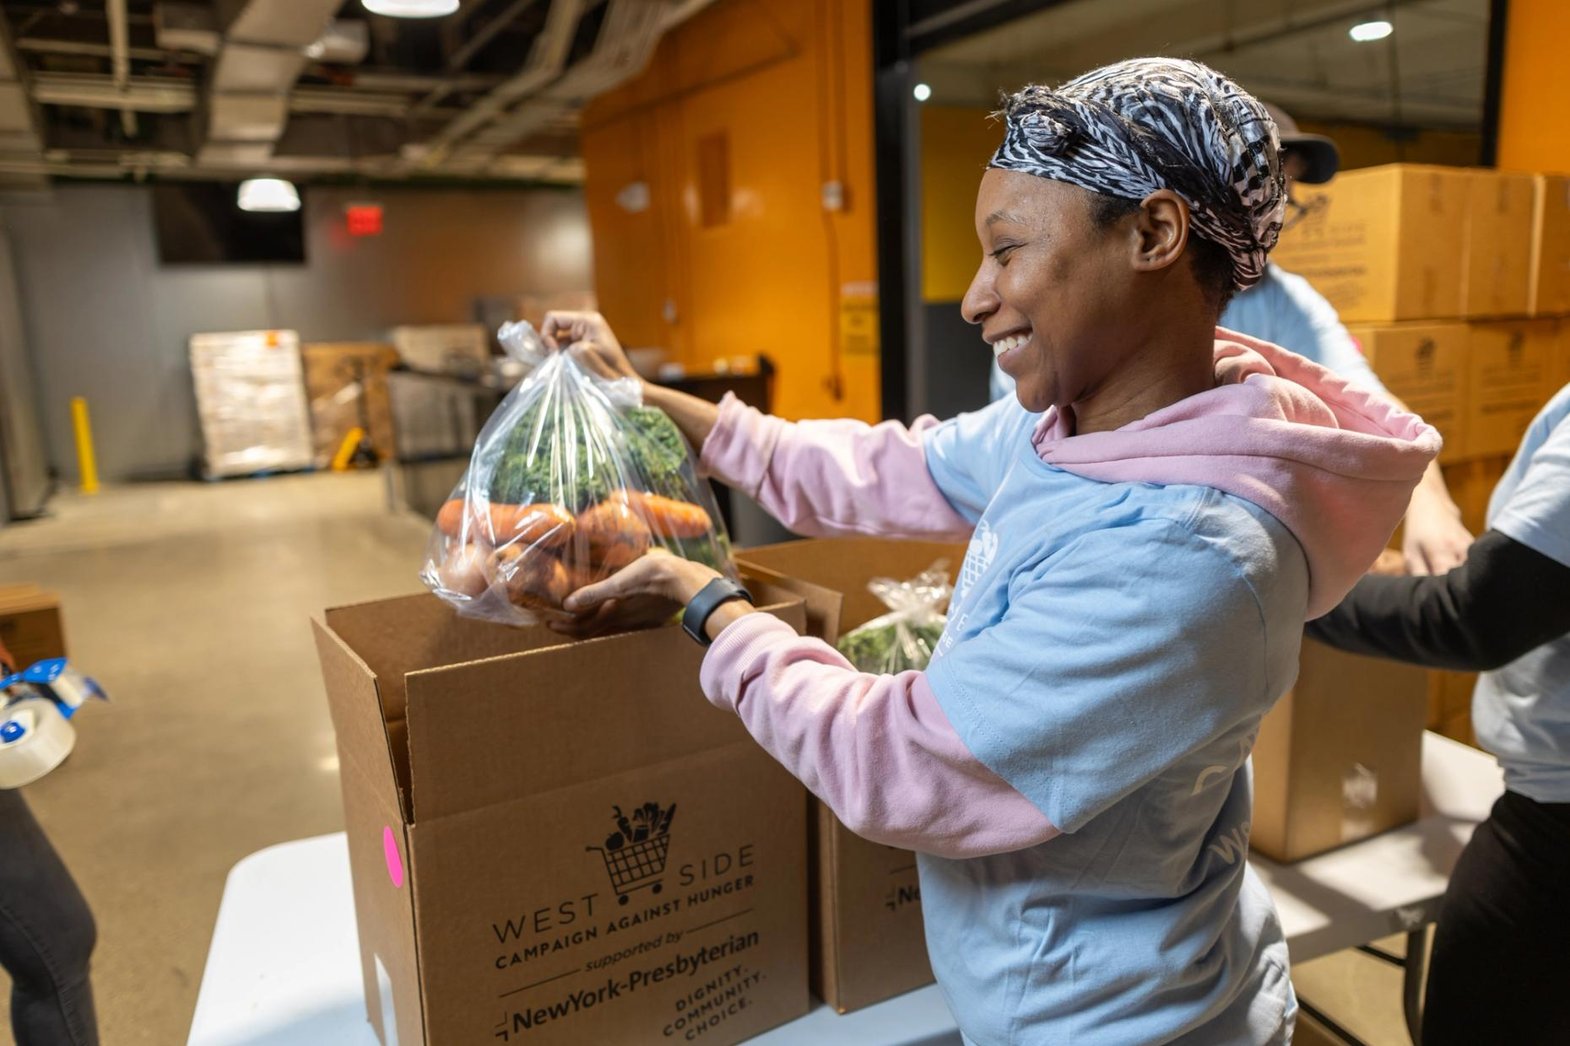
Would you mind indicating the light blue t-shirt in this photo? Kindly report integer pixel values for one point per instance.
(1284, 309)
(1522, 711)
(1110, 650)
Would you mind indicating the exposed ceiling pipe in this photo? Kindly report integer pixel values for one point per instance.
(547, 58)
(120, 60)
(148, 94)
(628, 37)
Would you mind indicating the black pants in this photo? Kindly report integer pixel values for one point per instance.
(1501, 964)
(46, 935)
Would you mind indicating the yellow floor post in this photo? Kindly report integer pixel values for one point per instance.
(86, 460)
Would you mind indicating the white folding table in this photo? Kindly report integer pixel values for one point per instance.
(284, 966)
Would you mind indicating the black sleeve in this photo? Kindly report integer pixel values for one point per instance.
(1504, 600)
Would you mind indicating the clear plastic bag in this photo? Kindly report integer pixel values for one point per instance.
(571, 479)
(904, 638)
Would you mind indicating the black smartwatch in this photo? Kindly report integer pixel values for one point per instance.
(709, 599)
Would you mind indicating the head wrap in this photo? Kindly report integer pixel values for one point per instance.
(1134, 127)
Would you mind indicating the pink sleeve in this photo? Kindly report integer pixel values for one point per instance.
(877, 749)
(832, 478)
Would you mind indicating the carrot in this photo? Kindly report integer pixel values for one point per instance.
(548, 526)
(613, 534)
(450, 519)
(463, 570)
(532, 578)
(667, 517)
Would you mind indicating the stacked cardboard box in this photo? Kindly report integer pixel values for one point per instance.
(560, 842)
(1454, 282)
(346, 383)
(868, 939)
(1339, 758)
(30, 624)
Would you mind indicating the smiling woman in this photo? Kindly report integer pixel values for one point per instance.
(1152, 518)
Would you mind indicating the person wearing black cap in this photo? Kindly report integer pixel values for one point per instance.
(1284, 309)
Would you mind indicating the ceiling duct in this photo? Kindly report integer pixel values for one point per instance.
(626, 42)
(186, 27)
(547, 58)
(261, 56)
(19, 138)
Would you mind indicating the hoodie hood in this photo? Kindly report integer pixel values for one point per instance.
(1334, 461)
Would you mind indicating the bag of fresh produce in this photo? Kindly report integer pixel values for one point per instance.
(904, 638)
(571, 479)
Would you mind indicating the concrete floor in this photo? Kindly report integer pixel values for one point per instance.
(190, 603)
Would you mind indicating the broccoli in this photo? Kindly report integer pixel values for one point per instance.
(891, 644)
(656, 459)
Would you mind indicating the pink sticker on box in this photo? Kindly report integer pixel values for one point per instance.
(394, 858)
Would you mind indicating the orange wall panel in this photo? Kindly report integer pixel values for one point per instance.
(1534, 122)
(956, 144)
(762, 104)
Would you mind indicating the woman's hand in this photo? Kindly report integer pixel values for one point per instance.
(644, 593)
(590, 339)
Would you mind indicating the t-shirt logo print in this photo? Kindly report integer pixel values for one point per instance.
(635, 853)
(978, 560)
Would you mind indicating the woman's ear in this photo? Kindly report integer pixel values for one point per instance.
(1161, 230)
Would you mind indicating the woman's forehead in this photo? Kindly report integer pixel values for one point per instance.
(1010, 197)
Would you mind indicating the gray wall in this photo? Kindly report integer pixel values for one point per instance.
(104, 320)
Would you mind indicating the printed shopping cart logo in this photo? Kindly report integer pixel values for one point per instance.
(634, 854)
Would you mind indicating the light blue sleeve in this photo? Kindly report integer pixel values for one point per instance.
(1537, 512)
(1118, 658)
(966, 455)
(1285, 309)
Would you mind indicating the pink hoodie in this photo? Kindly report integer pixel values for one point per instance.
(1334, 462)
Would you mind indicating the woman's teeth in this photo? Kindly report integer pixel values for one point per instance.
(1013, 341)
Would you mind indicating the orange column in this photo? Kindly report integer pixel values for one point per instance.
(1534, 121)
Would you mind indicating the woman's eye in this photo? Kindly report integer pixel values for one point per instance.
(1001, 254)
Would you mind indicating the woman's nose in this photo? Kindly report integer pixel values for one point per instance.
(980, 299)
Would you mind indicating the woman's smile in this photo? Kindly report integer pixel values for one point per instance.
(1009, 345)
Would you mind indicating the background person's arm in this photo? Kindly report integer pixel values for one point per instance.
(1504, 600)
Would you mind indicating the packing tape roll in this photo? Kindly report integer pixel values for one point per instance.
(45, 739)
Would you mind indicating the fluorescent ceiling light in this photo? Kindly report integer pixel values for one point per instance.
(268, 194)
(410, 8)
(922, 92)
(1365, 32)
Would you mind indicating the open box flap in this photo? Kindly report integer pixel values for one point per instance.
(831, 574)
(356, 706)
(489, 731)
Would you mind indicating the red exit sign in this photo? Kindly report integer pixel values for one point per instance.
(365, 219)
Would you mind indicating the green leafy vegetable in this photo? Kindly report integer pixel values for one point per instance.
(892, 646)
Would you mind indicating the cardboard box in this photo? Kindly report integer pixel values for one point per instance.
(1383, 243)
(1424, 365)
(1497, 279)
(1449, 696)
(346, 384)
(461, 348)
(500, 897)
(868, 939)
(1549, 290)
(1509, 378)
(1471, 485)
(30, 624)
(1339, 758)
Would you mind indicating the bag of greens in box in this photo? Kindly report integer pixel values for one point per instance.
(904, 638)
(571, 479)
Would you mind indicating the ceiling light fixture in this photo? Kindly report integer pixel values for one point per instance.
(922, 92)
(268, 195)
(410, 8)
(1367, 32)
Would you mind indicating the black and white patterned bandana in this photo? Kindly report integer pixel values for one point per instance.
(1134, 127)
